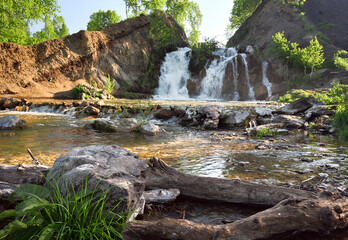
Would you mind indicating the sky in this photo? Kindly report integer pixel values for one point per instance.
(215, 14)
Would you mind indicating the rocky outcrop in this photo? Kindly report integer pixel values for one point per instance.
(53, 68)
(12, 123)
(276, 16)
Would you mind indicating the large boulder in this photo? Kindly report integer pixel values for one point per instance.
(295, 107)
(12, 123)
(289, 121)
(231, 119)
(107, 166)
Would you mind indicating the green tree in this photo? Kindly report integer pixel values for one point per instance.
(341, 59)
(16, 18)
(100, 20)
(241, 10)
(183, 11)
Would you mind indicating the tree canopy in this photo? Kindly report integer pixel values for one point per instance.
(102, 19)
(183, 11)
(16, 18)
(241, 10)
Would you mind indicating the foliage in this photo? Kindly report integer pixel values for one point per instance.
(183, 11)
(242, 9)
(297, 3)
(109, 85)
(340, 121)
(77, 91)
(16, 17)
(341, 59)
(335, 95)
(201, 52)
(263, 132)
(101, 19)
(310, 57)
(49, 215)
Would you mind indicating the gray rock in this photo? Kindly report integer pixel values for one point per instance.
(12, 123)
(232, 119)
(332, 166)
(306, 159)
(163, 113)
(151, 129)
(295, 107)
(107, 167)
(263, 111)
(210, 112)
(210, 124)
(290, 122)
(317, 111)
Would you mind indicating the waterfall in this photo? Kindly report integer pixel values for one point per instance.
(174, 75)
(265, 80)
(251, 94)
(212, 83)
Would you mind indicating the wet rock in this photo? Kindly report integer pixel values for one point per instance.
(231, 119)
(317, 111)
(103, 125)
(210, 112)
(263, 111)
(289, 121)
(107, 167)
(323, 175)
(295, 107)
(306, 159)
(178, 111)
(163, 113)
(151, 129)
(12, 123)
(243, 164)
(332, 166)
(90, 110)
(210, 124)
(262, 168)
(9, 103)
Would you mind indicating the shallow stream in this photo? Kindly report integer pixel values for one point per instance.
(283, 160)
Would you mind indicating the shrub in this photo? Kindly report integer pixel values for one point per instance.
(109, 85)
(310, 57)
(340, 121)
(341, 59)
(77, 91)
(50, 215)
(263, 132)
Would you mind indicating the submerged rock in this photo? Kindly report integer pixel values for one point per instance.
(151, 129)
(12, 123)
(108, 168)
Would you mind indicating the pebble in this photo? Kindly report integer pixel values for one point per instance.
(306, 159)
(323, 175)
(243, 164)
(262, 168)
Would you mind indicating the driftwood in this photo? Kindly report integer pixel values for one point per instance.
(160, 175)
(293, 210)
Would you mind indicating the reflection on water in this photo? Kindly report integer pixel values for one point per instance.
(218, 154)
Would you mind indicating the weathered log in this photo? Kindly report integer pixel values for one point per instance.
(291, 215)
(160, 175)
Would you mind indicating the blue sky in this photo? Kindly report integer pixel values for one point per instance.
(215, 14)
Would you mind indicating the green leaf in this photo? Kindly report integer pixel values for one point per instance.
(7, 214)
(12, 227)
(47, 232)
(28, 190)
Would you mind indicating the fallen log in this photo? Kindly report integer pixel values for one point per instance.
(160, 175)
(291, 215)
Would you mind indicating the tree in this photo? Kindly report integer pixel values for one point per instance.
(183, 11)
(241, 10)
(102, 19)
(16, 18)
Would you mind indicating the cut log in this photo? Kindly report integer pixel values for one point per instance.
(291, 215)
(160, 175)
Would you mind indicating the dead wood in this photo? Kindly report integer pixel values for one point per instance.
(160, 175)
(291, 215)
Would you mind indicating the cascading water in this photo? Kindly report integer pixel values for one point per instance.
(251, 93)
(212, 83)
(174, 76)
(265, 80)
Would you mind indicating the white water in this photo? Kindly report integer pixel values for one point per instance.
(251, 93)
(265, 80)
(174, 76)
(212, 83)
